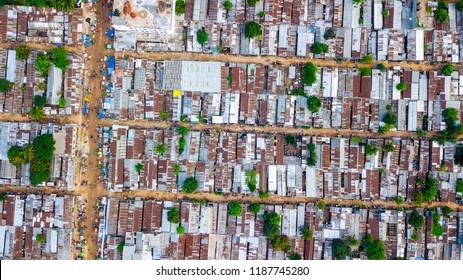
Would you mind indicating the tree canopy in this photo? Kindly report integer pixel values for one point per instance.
(60, 58)
(179, 7)
(227, 5)
(442, 14)
(389, 147)
(190, 185)
(255, 207)
(40, 100)
(314, 103)
(364, 71)
(459, 186)
(161, 148)
(374, 248)
(44, 146)
(437, 229)
(390, 119)
(264, 195)
(290, 139)
(22, 52)
(367, 59)
(42, 62)
(37, 113)
(329, 34)
(39, 237)
(319, 48)
(235, 208)
(402, 86)
(180, 230)
(309, 74)
(371, 149)
(63, 5)
(252, 29)
(37, 178)
(306, 232)
(415, 219)
(5, 85)
(252, 3)
(139, 167)
(447, 70)
(271, 224)
(281, 242)
(295, 257)
(173, 215)
(446, 210)
(202, 36)
(381, 67)
(183, 130)
(340, 249)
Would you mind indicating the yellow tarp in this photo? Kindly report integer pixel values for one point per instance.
(177, 93)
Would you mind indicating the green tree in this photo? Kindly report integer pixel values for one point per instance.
(447, 70)
(202, 36)
(367, 59)
(5, 85)
(22, 52)
(181, 145)
(371, 149)
(381, 67)
(280, 242)
(44, 146)
(420, 181)
(235, 209)
(399, 200)
(416, 220)
(419, 197)
(356, 140)
(264, 195)
(190, 185)
(60, 58)
(173, 216)
(139, 167)
(179, 7)
(14, 156)
(164, 115)
(415, 235)
(2, 196)
(459, 186)
(62, 102)
(202, 202)
(309, 74)
(227, 5)
(364, 71)
(255, 207)
(314, 103)
(389, 147)
(180, 230)
(40, 165)
(340, 249)
(40, 100)
(183, 130)
(28, 152)
(353, 242)
(460, 5)
(161, 148)
(120, 246)
(385, 13)
(42, 62)
(290, 139)
(446, 211)
(442, 15)
(252, 3)
(437, 229)
(306, 232)
(321, 204)
(39, 237)
(374, 248)
(271, 227)
(261, 14)
(295, 257)
(63, 5)
(319, 48)
(41, 86)
(37, 113)
(37, 178)
(252, 29)
(402, 86)
(420, 132)
(329, 34)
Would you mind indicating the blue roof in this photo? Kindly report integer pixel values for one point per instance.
(111, 62)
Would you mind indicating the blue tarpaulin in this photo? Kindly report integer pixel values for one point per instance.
(111, 64)
(110, 33)
(88, 43)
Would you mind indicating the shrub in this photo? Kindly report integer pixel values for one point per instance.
(367, 59)
(399, 200)
(290, 139)
(62, 102)
(39, 237)
(120, 246)
(264, 195)
(295, 257)
(321, 204)
(356, 140)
